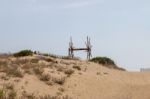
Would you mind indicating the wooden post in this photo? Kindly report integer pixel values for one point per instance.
(71, 48)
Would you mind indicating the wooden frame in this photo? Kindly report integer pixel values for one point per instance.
(87, 49)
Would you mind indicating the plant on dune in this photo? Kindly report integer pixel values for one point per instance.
(69, 72)
(34, 60)
(45, 77)
(12, 94)
(49, 97)
(23, 53)
(77, 67)
(105, 61)
(38, 70)
(59, 81)
(2, 94)
(9, 86)
(14, 71)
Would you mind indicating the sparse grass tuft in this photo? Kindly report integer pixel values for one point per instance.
(49, 60)
(49, 97)
(12, 94)
(14, 71)
(34, 60)
(61, 89)
(66, 97)
(59, 81)
(2, 94)
(45, 77)
(69, 72)
(38, 70)
(9, 86)
(77, 67)
(60, 68)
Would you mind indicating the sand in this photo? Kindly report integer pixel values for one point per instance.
(93, 81)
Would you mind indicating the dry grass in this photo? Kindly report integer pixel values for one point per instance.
(35, 61)
(2, 94)
(9, 86)
(12, 94)
(61, 89)
(60, 80)
(69, 72)
(38, 70)
(60, 68)
(45, 77)
(8, 92)
(77, 67)
(14, 71)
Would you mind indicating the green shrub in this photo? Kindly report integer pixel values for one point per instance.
(103, 61)
(109, 63)
(23, 53)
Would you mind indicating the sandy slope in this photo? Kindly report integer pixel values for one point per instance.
(109, 84)
(93, 81)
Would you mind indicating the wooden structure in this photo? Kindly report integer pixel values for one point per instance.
(87, 49)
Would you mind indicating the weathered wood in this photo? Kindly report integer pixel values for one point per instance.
(72, 48)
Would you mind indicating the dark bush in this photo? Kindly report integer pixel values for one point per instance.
(105, 61)
(23, 53)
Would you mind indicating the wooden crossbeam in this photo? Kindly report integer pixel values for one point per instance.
(72, 48)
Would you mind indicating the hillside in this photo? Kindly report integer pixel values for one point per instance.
(41, 77)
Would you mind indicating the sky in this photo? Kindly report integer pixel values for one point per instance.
(119, 29)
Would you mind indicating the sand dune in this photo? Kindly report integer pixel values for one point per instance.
(93, 81)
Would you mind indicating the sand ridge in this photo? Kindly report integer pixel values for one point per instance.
(88, 81)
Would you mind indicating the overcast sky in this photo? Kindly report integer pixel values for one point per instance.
(119, 29)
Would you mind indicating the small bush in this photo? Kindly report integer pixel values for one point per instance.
(61, 89)
(34, 60)
(28, 96)
(103, 61)
(9, 86)
(49, 97)
(45, 77)
(38, 70)
(2, 94)
(23, 53)
(66, 97)
(77, 67)
(60, 68)
(48, 60)
(14, 71)
(59, 81)
(69, 72)
(12, 94)
(109, 63)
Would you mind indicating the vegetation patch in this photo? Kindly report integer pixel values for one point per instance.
(45, 77)
(23, 53)
(34, 60)
(77, 67)
(105, 61)
(69, 72)
(14, 71)
(59, 81)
